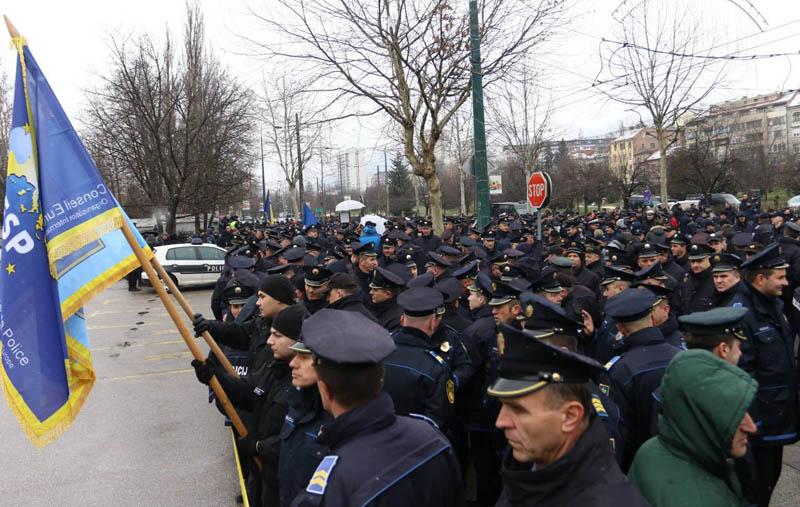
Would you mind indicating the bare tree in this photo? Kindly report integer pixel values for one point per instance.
(289, 116)
(6, 91)
(520, 118)
(658, 67)
(460, 148)
(407, 59)
(173, 120)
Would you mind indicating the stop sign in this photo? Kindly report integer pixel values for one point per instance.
(540, 187)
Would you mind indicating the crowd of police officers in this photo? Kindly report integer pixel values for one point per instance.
(488, 367)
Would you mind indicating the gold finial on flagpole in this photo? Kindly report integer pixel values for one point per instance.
(12, 30)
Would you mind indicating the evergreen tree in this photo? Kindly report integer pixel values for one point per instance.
(401, 190)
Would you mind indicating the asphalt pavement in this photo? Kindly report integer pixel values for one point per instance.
(146, 435)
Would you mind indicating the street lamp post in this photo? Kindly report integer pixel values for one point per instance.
(301, 190)
(263, 181)
(479, 127)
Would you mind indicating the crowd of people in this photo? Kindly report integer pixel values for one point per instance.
(629, 357)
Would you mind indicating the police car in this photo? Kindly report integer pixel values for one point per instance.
(190, 265)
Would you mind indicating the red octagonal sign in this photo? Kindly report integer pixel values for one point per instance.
(540, 188)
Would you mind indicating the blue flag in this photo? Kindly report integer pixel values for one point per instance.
(62, 245)
(309, 218)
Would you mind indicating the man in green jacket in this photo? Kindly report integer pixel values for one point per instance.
(704, 423)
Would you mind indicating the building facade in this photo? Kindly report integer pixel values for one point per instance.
(633, 147)
(352, 168)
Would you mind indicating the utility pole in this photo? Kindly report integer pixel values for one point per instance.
(386, 183)
(263, 182)
(481, 173)
(301, 190)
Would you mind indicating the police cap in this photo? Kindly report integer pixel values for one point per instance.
(725, 262)
(655, 271)
(699, 250)
(448, 250)
(367, 249)
(346, 338)
(631, 304)
(469, 270)
(438, 260)
(723, 320)
(382, 278)
(618, 274)
(544, 316)
(420, 301)
(768, 258)
(237, 294)
(294, 254)
(482, 284)
(528, 364)
(503, 292)
(646, 250)
(317, 276)
(424, 280)
(546, 281)
(450, 288)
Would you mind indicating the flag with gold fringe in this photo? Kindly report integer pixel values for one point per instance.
(62, 245)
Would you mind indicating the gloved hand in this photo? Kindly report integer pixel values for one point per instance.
(201, 324)
(204, 370)
(247, 445)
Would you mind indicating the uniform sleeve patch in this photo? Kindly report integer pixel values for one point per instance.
(613, 361)
(436, 356)
(319, 481)
(599, 409)
(604, 389)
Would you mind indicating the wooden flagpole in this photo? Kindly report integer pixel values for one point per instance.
(187, 308)
(186, 334)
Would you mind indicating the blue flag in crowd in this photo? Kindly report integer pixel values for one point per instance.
(309, 218)
(62, 245)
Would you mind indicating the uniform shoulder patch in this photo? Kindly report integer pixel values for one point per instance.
(604, 388)
(319, 481)
(737, 304)
(599, 409)
(612, 362)
(436, 356)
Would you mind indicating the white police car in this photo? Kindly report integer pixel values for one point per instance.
(190, 265)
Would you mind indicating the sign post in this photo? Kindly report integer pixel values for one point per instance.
(540, 188)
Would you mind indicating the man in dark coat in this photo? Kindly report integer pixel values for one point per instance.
(697, 287)
(560, 452)
(768, 355)
(383, 291)
(375, 457)
(344, 294)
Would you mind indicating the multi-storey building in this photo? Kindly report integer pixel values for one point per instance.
(352, 169)
(631, 148)
(769, 121)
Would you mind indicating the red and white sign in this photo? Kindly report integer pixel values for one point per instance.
(540, 188)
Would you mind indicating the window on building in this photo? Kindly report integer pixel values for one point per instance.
(796, 117)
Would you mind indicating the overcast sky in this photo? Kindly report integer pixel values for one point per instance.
(69, 40)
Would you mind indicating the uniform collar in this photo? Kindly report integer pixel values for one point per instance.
(371, 417)
(646, 336)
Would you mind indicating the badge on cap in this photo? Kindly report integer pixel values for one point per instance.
(501, 343)
(529, 311)
(315, 271)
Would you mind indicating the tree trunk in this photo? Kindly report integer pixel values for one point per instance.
(462, 191)
(662, 168)
(197, 223)
(172, 218)
(416, 195)
(293, 200)
(435, 193)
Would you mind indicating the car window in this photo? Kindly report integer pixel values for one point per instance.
(208, 253)
(181, 254)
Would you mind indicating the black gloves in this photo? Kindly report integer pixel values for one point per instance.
(247, 445)
(201, 324)
(204, 371)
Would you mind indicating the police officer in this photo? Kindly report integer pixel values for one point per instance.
(383, 291)
(427, 240)
(697, 288)
(375, 457)
(479, 410)
(637, 369)
(316, 288)
(417, 377)
(546, 397)
(768, 355)
(553, 326)
(601, 342)
(576, 252)
(300, 452)
(366, 260)
(727, 278)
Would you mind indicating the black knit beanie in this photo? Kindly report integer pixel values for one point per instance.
(289, 321)
(279, 288)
